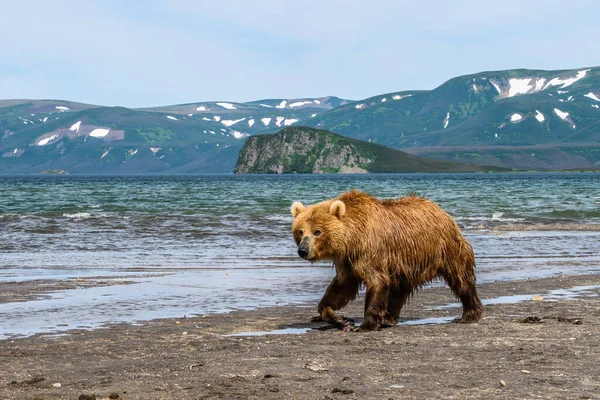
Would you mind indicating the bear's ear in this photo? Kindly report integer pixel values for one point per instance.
(297, 208)
(338, 208)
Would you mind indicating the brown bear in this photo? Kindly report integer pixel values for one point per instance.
(392, 246)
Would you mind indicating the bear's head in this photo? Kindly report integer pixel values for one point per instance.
(318, 229)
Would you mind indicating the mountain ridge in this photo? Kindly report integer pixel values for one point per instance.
(470, 118)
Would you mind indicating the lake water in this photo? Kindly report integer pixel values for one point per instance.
(213, 243)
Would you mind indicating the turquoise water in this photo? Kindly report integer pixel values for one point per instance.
(213, 243)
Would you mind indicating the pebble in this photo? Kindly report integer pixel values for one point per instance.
(537, 298)
(525, 371)
(342, 391)
(56, 385)
(502, 383)
(315, 367)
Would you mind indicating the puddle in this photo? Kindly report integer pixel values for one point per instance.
(426, 321)
(285, 331)
(553, 295)
(574, 292)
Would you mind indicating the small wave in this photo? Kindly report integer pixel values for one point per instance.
(570, 214)
(279, 218)
(549, 227)
(78, 216)
(496, 217)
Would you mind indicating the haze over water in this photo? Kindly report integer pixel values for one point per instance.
(213, 243)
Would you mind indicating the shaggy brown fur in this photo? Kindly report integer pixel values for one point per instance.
(392, 246)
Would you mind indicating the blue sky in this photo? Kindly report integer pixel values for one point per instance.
(144, 53)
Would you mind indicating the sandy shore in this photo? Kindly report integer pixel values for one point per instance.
(530, 349)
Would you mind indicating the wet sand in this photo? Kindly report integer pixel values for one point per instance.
(37, 289)
(545, 348)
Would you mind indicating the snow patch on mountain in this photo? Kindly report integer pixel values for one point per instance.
(496, 86)
(282, 104)
(519, 86)
(529, 85)
(47, 140)
(265, 121)
(75, 126)
(562, 114)
(290, 121)
(447, 120)
(516, 117)
(539, 116)
(171, 117)
(592, 96)
(229, 122)
(228, 106)
(299, 103)
(238, 135)
(567, 82)
(201, 108)
(565, 117)
(539, 84)
(99, 132)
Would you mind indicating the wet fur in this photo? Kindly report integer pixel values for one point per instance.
(393, 247)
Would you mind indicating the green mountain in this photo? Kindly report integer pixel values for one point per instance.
(39, 135)
(525, 119)
(307, 150)
(489, 118)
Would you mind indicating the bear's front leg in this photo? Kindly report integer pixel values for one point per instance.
(339, 293)
(376, 303)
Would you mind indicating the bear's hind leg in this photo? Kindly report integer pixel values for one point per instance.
(466, 291)
(338, 295)
(398, 296)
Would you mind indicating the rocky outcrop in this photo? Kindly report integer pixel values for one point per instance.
(301, 150)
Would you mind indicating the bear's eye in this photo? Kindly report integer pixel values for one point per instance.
(300, 232)
(317, 233)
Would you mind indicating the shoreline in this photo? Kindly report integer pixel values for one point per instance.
(524, 349)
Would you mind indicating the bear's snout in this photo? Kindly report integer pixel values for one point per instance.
(302, 252)
(303, 248)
